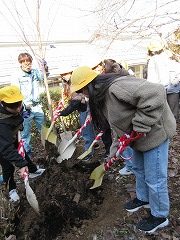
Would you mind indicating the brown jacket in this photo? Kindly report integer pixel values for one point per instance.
(135, 104)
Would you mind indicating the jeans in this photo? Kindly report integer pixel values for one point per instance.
(150, 169)
(88, 133)
(128, 154)
(38, 118)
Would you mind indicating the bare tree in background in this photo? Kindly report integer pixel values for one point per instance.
(30, 31)
(135, 19)
(174, 44)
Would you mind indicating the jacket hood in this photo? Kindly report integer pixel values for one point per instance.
(103, 81)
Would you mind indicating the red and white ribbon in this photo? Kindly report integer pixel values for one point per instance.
(56, 112)
(20, 146)
(87, 122)
(124, 141)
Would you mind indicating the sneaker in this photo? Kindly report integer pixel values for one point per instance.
(135, 204)
(13, 196)
(124, 171)
(151, 224)
(38, 173)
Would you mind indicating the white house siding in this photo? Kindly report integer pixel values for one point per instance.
(64, 57)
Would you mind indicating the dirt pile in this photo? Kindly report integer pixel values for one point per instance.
(64, 197)
(71, 211)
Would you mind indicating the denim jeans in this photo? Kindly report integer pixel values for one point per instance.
(150, 169)
(128, 154)
(38, 118)
(88, 133)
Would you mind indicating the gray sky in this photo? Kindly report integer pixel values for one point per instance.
(79, 19)
(65, 19)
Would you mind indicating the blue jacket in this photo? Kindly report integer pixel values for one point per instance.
(31, 85)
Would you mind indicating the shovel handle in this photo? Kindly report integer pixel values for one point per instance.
(87, 122)
(124, 142)
(78, 133)
(55, 116)
(109, 163)
(97, 138)
(25, 177)
(56, 111)
(50, 129)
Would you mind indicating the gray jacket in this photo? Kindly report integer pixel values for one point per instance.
(136, 104)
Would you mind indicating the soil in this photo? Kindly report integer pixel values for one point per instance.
(70, 210)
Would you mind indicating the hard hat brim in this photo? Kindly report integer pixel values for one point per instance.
(75, 88)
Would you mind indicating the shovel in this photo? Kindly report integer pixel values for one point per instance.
(66, 136)
(67, 151)
(98, 173)
(87, 152)
(30, 195)
(46, 133)
(124, 141)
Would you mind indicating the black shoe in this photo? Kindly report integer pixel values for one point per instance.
(151, 224)
(135, 204)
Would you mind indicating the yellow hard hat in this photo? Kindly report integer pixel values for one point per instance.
(155, 45)
(10, 94)
(81, 76)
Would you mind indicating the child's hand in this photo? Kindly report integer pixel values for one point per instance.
(22, 171)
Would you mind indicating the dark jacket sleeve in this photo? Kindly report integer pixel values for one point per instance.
(73, 106)
(8, 150)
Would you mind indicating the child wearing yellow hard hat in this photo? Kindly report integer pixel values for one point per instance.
(10, 123)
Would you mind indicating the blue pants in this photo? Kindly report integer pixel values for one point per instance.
(88, 133)
(150, 169)
(38, 118)
(128, 154)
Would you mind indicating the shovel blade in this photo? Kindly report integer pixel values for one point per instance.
(97, 183)
(31, 197)
(67, 153)
(86, 153)
(66, 136)
(52, 137)
(97, 175)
